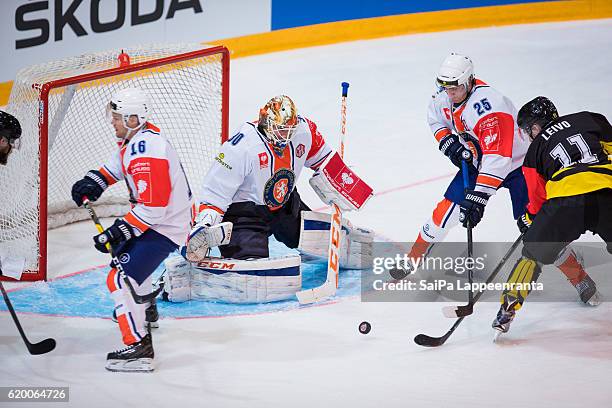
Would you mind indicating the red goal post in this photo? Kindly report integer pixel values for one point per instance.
(61, 107)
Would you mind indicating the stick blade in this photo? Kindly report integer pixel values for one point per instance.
(42, 347)
(309, 296)
(428, 341)
(453, 312)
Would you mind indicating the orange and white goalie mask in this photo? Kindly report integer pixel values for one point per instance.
(278, 120)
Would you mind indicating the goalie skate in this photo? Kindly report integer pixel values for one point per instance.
(137, 357)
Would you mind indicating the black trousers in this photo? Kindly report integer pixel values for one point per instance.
(253, 224)
(562, 220)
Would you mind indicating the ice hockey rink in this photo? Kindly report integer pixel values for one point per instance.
(556, 354)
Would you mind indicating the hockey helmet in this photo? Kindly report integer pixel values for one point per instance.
(10, 129)
(278, 120)
(540, 111)
(456, 70)
(128, 102)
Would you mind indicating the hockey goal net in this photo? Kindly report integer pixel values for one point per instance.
(65, 133)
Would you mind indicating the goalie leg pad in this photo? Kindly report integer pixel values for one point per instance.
(232, 280)
(355, 247)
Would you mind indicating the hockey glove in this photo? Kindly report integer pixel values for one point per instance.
(452, 148)
(472, 207)
(524, 222)
(91, 186)
(117, 233)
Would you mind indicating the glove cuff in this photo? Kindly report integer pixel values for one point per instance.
(98, 178)
(477, 197)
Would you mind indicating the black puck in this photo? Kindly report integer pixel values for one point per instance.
(364, 327)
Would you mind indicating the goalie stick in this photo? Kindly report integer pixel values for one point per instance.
(41, 347)
(140, 299)
(328, 288)
(429, 341)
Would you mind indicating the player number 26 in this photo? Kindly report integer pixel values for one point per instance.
(140, 148)
(482, 106)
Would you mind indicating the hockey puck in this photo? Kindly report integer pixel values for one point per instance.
(364, 327)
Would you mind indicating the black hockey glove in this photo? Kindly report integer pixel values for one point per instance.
(524, 222)
(117, 233)
(472, 207)
(91, 186)
(452, 148)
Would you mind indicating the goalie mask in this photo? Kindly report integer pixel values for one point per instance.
(129, 102)
(278, 120)
(10, 134)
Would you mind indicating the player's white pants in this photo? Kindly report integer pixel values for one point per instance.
(445, 216)
(130, 315)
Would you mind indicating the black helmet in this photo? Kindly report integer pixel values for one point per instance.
(9, 127)
(539, 110)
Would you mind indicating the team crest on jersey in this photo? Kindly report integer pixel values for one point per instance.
(263, 160)
(278, 188)
(300, 150)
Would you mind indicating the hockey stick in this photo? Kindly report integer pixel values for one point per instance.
(328, 288)
(465, 310)
(462, 311)
(41, 347)
(429, 341)
(140, 299)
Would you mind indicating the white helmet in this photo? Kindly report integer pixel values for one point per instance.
(456, 70)
(278, 120)
(128, 102)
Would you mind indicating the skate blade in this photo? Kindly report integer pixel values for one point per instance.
(137, 365)
(595, 300)
(497, 335)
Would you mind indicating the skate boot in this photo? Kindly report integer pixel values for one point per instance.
(137, 357)
(587, 290)
(501, 324)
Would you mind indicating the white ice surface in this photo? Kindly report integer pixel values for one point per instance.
(557, 355)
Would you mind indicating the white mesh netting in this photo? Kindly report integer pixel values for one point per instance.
(186, 99)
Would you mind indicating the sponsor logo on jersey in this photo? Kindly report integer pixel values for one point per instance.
(219, 160)
(489, 133)
(345, 179)
(264, 160)
(300, 150)
(141, 186)
(278, 188)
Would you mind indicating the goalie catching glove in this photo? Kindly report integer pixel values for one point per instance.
(335, 182)
(207, 233)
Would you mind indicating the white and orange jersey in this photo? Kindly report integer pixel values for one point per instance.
(491, 118)
(158, 187)
(248, 168)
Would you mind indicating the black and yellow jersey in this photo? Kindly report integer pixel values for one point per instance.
(570, 156)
